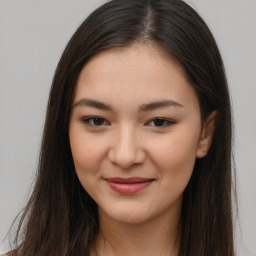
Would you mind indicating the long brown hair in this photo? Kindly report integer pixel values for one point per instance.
(60, 218)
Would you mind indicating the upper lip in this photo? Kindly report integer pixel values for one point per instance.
(128, 180)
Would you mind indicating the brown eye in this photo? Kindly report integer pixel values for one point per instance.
(95, 121)
(160, 122)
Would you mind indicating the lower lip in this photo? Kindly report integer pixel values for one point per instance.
(129, 188)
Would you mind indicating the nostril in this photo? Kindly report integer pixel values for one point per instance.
(126, 158)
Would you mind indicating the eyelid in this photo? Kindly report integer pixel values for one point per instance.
(86, 120)
(167, 120)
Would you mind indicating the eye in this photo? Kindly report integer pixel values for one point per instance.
(160, 122)
(95, 121)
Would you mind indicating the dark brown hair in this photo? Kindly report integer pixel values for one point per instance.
(60, 217)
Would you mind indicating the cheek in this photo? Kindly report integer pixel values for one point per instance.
(87, 152)
(175, 156)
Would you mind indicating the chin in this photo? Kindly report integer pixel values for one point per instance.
(125, 215)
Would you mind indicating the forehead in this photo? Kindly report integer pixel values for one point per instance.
(136, 73)
(126, 60)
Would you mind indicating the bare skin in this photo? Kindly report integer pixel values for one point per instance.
(140, 239)
(136, 116)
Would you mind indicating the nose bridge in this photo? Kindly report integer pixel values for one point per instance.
(126, 148)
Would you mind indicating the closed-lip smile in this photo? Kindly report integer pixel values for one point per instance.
(128, 186)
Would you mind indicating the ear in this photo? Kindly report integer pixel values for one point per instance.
(207, 134)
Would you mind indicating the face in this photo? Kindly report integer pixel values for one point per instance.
(135, 132)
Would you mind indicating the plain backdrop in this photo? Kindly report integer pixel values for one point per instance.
(33, 34)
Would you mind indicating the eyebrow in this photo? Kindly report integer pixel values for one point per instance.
(143, 108)
(159, 104)
(92, 103)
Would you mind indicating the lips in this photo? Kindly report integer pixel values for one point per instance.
(128, 185)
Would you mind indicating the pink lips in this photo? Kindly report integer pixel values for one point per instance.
(128, 185)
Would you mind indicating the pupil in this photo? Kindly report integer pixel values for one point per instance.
(159, 122)
(98, 121)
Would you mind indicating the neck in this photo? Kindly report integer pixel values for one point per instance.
(158, 236)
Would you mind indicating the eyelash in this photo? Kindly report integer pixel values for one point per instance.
(93, 118)
(88, 120)
(167, 122)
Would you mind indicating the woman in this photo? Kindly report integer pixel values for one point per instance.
(136, 151)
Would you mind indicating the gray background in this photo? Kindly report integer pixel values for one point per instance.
(33, 35)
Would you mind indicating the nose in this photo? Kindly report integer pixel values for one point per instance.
(126, 148)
